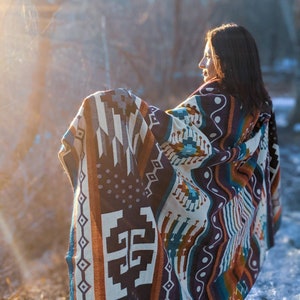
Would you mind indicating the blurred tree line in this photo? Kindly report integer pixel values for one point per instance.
(53, 53)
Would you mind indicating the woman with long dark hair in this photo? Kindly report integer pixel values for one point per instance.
(237, 65)
(181, 204)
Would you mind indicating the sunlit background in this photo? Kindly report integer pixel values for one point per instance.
(54, 53)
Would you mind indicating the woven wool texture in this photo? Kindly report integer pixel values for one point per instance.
(178, 204)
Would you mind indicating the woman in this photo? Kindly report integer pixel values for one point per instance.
(180, 204)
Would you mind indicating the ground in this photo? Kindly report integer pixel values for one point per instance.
(51, 283)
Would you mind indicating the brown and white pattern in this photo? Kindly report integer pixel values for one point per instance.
(180, 204)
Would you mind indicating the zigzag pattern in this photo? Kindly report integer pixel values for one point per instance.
(169, 205)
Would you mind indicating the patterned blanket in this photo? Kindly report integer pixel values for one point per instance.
(181, 204)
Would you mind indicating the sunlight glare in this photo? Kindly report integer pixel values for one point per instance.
(8, 237)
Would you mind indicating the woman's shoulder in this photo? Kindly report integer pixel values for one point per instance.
(210, 94)
(211, 87)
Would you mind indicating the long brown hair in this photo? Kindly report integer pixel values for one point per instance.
(237, 64)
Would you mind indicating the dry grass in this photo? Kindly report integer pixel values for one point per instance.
(47, 283)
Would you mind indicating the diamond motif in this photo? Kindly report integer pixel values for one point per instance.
(82, 176)
(83, 242)
(168, 285)
(157, 164)
(80, 133)
(83, 264)
(81, 198)
(151, 177)
(82, 220)
(148, 192)
(168, 267)
(84, 286)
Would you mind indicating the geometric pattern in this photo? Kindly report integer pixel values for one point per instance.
(177, 204)
(83, 264)
(151, 176)
(168, 286)
(128, 263)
